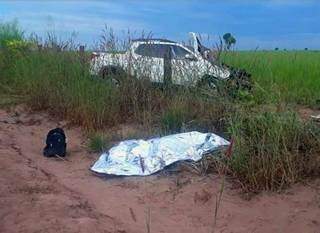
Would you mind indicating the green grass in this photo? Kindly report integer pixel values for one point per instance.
(274, 148)
(61, 84)
(98, 142)
(281, 76)
(10, 31)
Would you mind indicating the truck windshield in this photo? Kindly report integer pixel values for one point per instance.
(160, 50)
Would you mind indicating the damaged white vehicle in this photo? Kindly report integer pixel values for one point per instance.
(160, 61)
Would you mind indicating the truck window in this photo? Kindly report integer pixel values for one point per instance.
(179, 52)
(159, 51)
(153, 50)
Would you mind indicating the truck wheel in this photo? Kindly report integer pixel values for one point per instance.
(113, 73)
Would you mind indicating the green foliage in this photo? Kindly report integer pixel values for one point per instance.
(273, 149)
(173, 119)
(290, 77)
(98, 143)
(229, 40)
(15, 46)
(10, 31)
(61, 83)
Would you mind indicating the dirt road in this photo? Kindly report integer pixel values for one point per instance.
(38, 194)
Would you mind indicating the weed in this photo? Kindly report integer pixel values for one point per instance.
(173, 119)
(10, 31)
(273, 149)
(218, 203)
(98, 143)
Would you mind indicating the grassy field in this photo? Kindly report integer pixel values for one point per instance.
(282, 76)
(273, 146)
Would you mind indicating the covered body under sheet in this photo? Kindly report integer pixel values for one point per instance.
(142, 158)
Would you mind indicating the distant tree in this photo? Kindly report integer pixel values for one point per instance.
(229, 40)
(305, 49)
(276, 49)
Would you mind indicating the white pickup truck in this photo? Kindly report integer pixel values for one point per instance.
(145, 58)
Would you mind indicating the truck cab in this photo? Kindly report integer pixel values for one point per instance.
(146, 58)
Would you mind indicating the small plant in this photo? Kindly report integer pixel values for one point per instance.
(16, 45)
(173, 119)
(10, 31)
(17, 48)
(98, 143)
(218, 203)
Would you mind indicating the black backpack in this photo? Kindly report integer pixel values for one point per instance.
(56, 143)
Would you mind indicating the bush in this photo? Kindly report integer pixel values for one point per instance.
(98, 143)
(273, 150)
(10, 31)
(17, 46)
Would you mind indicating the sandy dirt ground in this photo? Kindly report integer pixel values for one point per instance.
(38, 194)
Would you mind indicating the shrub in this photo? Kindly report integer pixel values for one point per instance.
(98, 143)
(10, 31)
(17, 46)
(273, 150)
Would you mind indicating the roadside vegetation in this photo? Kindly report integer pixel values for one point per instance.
(273, 146)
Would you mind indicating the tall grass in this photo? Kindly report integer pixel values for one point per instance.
(60, 84)
(273, 149)
(281, 76)
(10, 31)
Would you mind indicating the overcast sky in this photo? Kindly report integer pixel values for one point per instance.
(291, 24)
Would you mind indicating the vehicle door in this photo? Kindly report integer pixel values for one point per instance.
(148, 61)
(185, 66)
